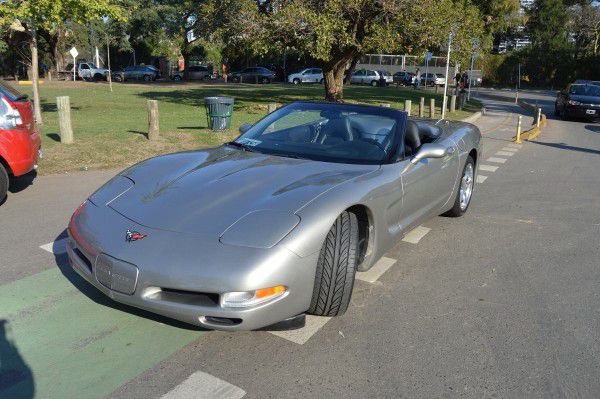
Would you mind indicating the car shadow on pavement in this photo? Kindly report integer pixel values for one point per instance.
(593, 128)
(563, 146)
(62, 261)
(16, 377)
(18, 184)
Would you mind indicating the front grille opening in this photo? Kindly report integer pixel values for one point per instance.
(185, 297)
(83, 258)
(223, 321)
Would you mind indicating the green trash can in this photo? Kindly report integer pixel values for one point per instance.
(218, 112)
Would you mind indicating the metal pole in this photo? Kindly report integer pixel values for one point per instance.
(470, 76)
(426, 70)
(108, 62)
(446, 84)
(518, 138)
(74, 69)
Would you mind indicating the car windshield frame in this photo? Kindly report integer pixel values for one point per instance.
(248, 141)
(589, 90)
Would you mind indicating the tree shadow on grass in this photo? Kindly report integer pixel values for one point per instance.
(51, 107)
(145, 134)
(246, 95)
(16, 377)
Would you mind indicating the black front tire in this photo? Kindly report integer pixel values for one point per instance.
(456, 210)
(3, 183)
(336, 268)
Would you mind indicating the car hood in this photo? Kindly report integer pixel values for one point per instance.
(205, 192)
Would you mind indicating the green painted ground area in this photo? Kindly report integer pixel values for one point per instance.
(60, 337)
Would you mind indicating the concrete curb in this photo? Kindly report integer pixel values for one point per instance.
(473, 118)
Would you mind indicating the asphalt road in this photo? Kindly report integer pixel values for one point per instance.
(504, 302)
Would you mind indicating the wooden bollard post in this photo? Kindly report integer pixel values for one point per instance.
(453, 103)
(385, 105)
(422, 107)
(153, 129)
(271, 107)
(64, 119)
(432, 108)
(407, 106)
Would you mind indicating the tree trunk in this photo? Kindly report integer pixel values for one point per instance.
(352, 67)
(37, 110)
(333, 72)
(185, 53)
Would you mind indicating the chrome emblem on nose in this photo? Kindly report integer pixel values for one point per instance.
(133, 236)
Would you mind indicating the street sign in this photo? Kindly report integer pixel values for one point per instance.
(74, 53)
(428, 56)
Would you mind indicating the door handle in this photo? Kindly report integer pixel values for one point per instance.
(450, 150)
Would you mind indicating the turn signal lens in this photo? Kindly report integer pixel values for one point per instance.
(267, 292)
(251, 298)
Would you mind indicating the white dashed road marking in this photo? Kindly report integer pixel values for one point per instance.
(488, 168)
(513, 149)
(202, 385)
(480, 179)
(496, 160)
(505, 153)
(301, 335)
(415, 235)
(373, 274)
(57, 247)
(515, 145)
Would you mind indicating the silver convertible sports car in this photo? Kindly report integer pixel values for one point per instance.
(276, 223)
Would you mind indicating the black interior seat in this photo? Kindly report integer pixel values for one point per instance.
(336, 130)
(412, 138)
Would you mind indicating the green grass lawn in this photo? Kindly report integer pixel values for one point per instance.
(109, 128)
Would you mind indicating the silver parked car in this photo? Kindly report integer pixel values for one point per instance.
(365, 76)
(196, 72)
(308, 75)
(276, 223)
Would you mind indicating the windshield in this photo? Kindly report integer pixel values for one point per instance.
(585, 90)
(327, 132)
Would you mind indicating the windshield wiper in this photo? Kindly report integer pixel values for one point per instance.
(244, 147)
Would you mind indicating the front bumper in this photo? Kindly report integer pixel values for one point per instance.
(188, 294)
(583, 111)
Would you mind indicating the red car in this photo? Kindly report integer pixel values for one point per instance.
(20, 141)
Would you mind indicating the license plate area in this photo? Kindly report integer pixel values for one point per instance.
(115, 274)
(590, 111)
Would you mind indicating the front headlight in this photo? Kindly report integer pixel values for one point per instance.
(251, 298)
(573, 102)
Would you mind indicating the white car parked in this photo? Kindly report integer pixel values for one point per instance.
(308, 75)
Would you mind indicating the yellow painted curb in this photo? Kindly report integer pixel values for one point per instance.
(534, 131)
(29, 82)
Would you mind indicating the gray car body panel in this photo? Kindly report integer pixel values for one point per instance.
(223, 219)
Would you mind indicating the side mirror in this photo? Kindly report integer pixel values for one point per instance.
(429, 150)
(245, 127)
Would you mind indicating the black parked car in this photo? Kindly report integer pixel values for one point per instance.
(578, 101)
(253, 75)
(404, 78)
(147, 73)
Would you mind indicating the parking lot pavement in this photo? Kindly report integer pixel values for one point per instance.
(502, 302)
